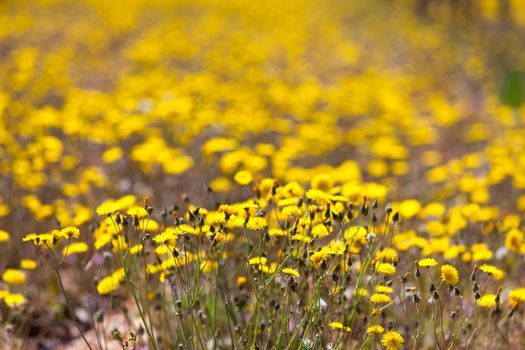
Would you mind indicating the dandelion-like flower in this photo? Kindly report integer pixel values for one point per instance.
(256, 223)
(13, 277)
(379, 298)
(392, 340)
(259, 260)
(243, 177)
(386, 268)
(384, 289)
(487, 300)
(106, 208)
(241, 281)
(291, 272)
(339, 325)
(28, 264)
(14, 300)
(492, 270)
(427, 262)
(70, 232)
(375, 328)
(4, 236)
(137, 211)
(75, 248)
(516, 296)
(449, 275)
(317, 258)
(39, 239)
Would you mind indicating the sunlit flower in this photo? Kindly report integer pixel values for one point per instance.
(14, 300)
(138, 212)
(318, 257)
(259, 260)
(256, 223)
(70, 232)
(14, 277)
(377, 329)
(110, 283)
(4, 236)
(514, 240)
(28, 264)
(241, 281)
(386, 268)
(339, 325)
(379, 298)
(427, 262)
(107, 208)
(516, 296)
(492, 270)
(487, 300)
(243, 177)
(392, 340)
(291, 272)
(75, 248)
(449, 275)
(384, 289)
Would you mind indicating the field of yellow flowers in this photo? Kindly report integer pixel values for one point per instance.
(233, 174)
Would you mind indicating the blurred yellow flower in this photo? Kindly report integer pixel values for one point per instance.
(14, 277)
(28, 264)
(243, 177)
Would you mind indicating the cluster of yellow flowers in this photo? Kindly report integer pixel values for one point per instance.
(319, 180)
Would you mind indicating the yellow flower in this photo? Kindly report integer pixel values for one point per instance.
(318, 257)
(339, 325)
(492, 270)
(256, 223)
(243, 177)
(112, 155)
(449, 275)
(107, 208)
(487, 300)
(259, 260)
(514, 240)
(13, 300)
(384, 289)
(185, 230)
(28, 264)
(427, 262)
(137, 211)
(392, 340)
(516, 296)
(39, 239)
(137, 248)
(14, 277)
(361, 292)
(70, 232)
(168, 234)
(409, 208)
(318, 196)
(75, 248)
(379, 298)
(268, 269)
(323, 182)
(387, 254)
(320, 230)
(375, 328)
(110, 283)
(386, 268)
(291, 272)
(4, 236)
(241, 281)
